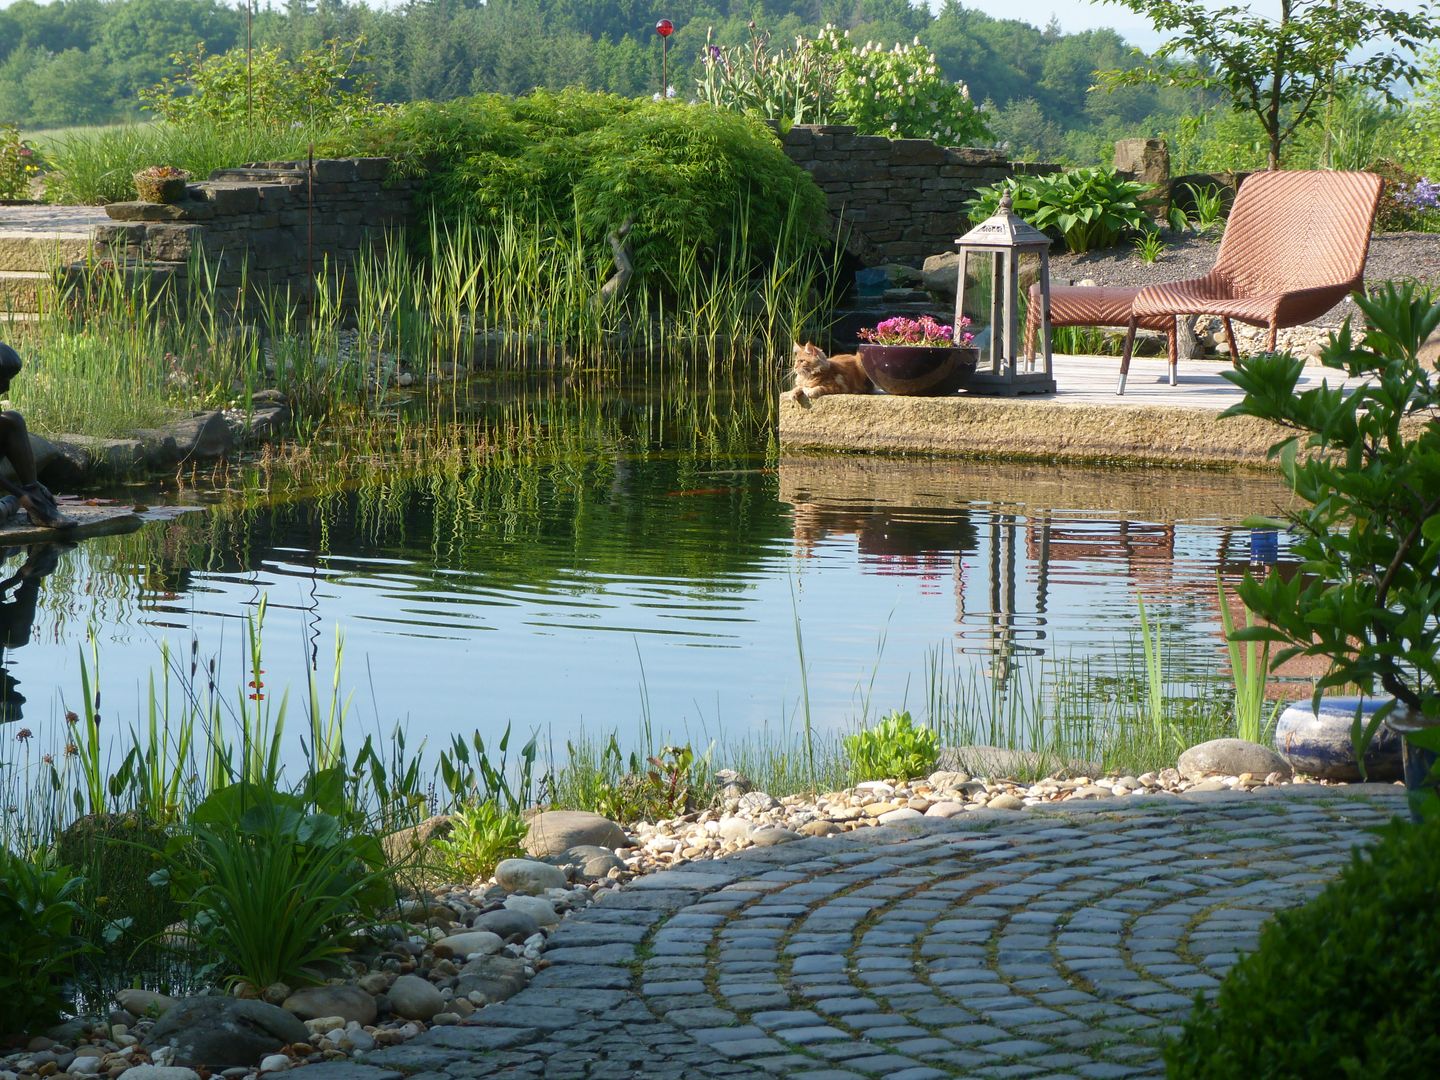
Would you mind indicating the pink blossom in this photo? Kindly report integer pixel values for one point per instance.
(922, 331)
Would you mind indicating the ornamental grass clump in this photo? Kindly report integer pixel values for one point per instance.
(924, 331)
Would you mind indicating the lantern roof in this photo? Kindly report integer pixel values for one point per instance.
(1005, 230)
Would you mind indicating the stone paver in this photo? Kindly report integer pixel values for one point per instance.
(1066, 942)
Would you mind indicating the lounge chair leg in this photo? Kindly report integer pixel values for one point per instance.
(1273, 330)
(1230, 340)
(1125, 357)
(1174, 342)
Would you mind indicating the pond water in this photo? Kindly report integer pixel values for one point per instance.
(642, 578)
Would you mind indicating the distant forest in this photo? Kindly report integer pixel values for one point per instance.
(75, 62)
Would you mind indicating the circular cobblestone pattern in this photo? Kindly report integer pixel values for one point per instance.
(1066, 943)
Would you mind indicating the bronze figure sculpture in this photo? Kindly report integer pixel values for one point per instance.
(28, 494)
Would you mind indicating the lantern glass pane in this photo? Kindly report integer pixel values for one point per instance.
(979, 295)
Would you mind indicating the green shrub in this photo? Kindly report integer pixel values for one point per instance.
(579, 164)
(1087, 208)
(894, 749)
(481, 835)
(19, 163)
(117, 854)
(272, 892)
(38, 945)
(1346, 986)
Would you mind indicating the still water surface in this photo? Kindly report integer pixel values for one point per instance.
(620, 585)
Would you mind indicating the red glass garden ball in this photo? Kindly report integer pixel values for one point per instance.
(664, 28)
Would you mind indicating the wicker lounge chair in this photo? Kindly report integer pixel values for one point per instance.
(1294, 247)
(1094, 305)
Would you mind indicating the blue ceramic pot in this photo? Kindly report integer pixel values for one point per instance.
(1318, 744)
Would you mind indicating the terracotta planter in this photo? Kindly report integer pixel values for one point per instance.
(157, 190)
(919, 370)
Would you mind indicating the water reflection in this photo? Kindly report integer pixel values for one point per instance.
(615, 586)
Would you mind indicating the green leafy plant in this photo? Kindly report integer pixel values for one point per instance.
(1087, 208)
(1249, 667)
(896, 748)
(1209, 203)
(487, 777)
(1368, 541)
(1153, 645)
(1149, 247)
(19, 164)
(481, 835)
(39, 948)
(1346, 986)
(900, 91)
(265, 88)
(271, 891)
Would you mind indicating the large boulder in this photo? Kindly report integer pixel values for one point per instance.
(1317, 743)
(528, 877)
(346, 1000)
(555, 831)
(1230, 757)
(224, 1033)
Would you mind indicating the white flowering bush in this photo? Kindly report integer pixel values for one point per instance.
(900, 91)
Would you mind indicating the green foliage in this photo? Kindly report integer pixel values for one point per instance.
(1346, 986)
(602, 779)
(97, 166)
(117, 853)
(481, 835)
(1368, 543)
(894, 749)
(1398, 210)
(489, 777)
(270, 890)
(19, 164)
(1087, 208)
(1279, 70)
(579, 165)
(39, 948)
(1249, 666)
(899, 92)
(317, 87)
(1149, 246)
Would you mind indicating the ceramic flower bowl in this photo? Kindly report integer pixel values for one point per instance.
(919, 370)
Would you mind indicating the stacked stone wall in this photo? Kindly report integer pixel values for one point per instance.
(275, 226)
(900, 199)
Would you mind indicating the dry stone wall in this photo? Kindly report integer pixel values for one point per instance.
(275, 225)
(900, 199)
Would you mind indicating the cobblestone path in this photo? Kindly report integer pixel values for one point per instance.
(1063, 943)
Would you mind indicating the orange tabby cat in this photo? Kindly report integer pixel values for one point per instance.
(817, 374)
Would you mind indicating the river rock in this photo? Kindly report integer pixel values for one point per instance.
(757, 802)
(1006, 801)
(415, 998)
(997, 762)
(407, 844)
(735, 828)
(528, 877)
(820, 827)
(466, 944)
(143, 1002)
(1230, 757)
(160, 1072)
(537, 907)
(1318, 744)
(222, 1032)
(496, 977)
(594, 861)
(348, 1002)
(507, 924)
(552, 832)
(771, 835)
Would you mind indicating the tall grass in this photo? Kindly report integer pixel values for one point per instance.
(94, 166)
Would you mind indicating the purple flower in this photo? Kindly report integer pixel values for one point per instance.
(1424, 194)
(714, 51)
(922, 331)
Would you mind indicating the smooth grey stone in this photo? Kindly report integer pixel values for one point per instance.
(508, 924)
(554, 831)
(528, 877)
(347, 1001)
(415, 998)
(460, 946)
(221, 1032)
(497, 977)
(1230, 757)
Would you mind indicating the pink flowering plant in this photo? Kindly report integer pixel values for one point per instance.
(921, 331)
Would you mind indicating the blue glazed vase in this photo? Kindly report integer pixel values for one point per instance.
(1318, 743)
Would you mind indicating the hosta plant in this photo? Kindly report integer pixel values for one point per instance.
(1087, 208)
(894, 749)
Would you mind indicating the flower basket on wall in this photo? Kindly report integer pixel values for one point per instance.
(161, 184)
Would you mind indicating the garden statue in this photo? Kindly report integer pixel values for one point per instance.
(29, 494)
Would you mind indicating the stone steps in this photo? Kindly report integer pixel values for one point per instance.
(27, 250)
(26, 291)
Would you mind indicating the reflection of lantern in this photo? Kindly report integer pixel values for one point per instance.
(989, 294)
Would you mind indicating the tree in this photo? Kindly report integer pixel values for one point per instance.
(1281, 70)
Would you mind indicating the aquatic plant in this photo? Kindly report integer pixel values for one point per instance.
(895, 748)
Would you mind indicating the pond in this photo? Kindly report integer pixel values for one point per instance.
(635, 573)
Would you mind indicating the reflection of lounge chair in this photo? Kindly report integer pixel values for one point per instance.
(1294, 247)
